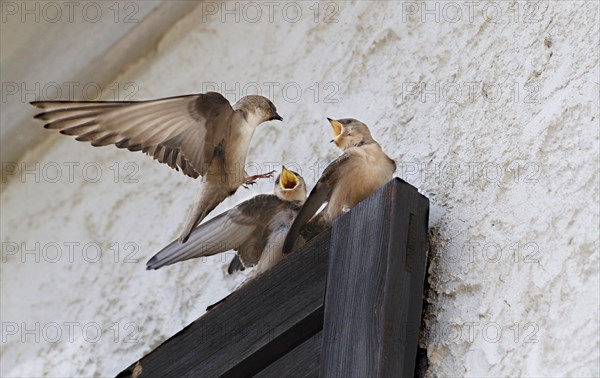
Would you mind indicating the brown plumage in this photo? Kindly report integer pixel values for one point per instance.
(254, 228)
(200, 134)
(356, 174)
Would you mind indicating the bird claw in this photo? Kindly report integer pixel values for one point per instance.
(252, 179)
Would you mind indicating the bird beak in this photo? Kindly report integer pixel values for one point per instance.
(337, 128)
(288, 179)
(277, 117)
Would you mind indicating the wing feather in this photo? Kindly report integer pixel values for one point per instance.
(319, 195)
(182, 132)
(217, 235)
(245, 224)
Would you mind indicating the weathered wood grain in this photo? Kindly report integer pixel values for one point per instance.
(302, 362)
(375, 286)
(253, 327)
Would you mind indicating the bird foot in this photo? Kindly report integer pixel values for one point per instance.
(252, 179)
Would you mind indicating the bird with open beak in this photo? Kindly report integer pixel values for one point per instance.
(255, 229)
(200, 134)
(362, 168)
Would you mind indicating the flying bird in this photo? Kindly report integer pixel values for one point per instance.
(255, 229)
(199, 134)
(362, 168)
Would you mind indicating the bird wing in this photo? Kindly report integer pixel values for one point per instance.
(271, 217)
(315, 226)
(236, 228)
(317, 197)
(183, 132)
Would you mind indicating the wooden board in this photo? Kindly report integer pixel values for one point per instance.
(253, 327)
(375, 285)
(301, 362)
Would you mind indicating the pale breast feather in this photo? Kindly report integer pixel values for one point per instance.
(367, 169)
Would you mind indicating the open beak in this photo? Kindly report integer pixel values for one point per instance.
(277, 117)
(288, 179)
(337, 128)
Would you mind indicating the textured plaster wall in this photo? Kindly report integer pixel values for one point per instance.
(503, 140)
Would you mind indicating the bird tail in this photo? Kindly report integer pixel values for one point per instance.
(210, 238)
(211, 195)
(175, 252)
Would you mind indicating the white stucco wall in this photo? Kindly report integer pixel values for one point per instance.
(510, 165)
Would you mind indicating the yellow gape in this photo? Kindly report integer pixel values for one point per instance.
(288, 179)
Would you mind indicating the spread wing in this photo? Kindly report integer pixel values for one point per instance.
(243, 228)
(317, 197)
(182, 132)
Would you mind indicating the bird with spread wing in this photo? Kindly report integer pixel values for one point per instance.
(200, 134)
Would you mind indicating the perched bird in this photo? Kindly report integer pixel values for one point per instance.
(357, 173)
(200, 134)
(254, 228)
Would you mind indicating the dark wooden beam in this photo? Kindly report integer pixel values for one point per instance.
(375, 286)
(302, 362)
(253, 327)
